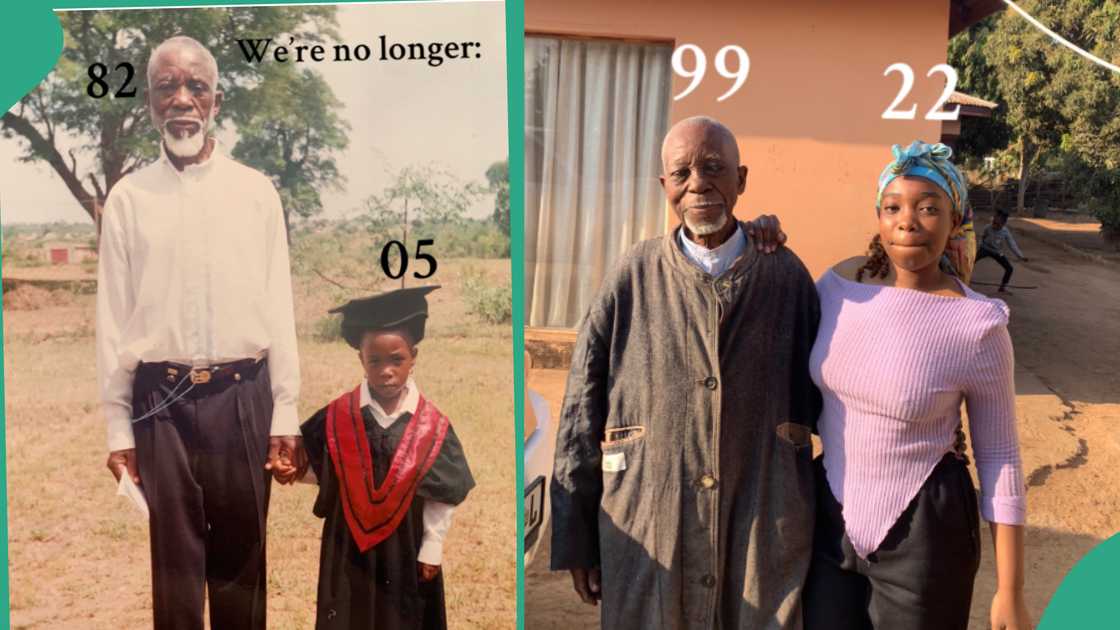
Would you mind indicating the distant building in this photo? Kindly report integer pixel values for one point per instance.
(63, 253)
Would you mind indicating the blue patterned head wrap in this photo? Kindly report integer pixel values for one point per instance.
(930, 161)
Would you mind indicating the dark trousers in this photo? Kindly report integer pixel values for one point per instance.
(984, 252)
(202, 469)
(921, 576)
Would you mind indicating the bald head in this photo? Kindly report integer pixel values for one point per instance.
(179, 45)
(689, 129)
(702, 177)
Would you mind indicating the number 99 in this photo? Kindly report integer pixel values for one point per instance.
(698, 69)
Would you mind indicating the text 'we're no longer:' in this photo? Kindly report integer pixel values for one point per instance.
(433, 53)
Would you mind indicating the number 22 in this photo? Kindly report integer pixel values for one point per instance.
(935, 112)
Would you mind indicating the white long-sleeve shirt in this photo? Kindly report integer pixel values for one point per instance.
(437, 516)
(193, 268)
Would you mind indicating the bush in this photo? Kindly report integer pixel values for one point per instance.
(492, 303)
(327, 328)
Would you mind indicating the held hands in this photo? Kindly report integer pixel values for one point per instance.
(1009, 612)
(428, 572)
(286, 458)
(766, 232)
(124, 460)
(588, 584)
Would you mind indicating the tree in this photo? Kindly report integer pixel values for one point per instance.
(968, 55)
(91, 143)
(294, 145)
(1055, 103)
(498, 177)
(420, 199)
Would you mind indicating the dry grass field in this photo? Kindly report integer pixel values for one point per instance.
(79, 554)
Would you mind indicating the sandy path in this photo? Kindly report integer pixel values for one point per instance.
(1067, 344)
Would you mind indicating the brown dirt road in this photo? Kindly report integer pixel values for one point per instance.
(1067, 344)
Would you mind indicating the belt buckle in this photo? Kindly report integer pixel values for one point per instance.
(200, 377)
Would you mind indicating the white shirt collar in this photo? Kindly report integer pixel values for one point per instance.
(409, 402)
(714, 261)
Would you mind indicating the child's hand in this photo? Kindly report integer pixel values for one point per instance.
(285, 458)
(428, 572)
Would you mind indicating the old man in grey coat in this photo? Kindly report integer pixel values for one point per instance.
(682, 494)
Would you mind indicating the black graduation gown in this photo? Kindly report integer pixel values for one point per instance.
(380, 589)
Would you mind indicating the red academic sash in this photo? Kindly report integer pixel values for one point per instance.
(373, 512)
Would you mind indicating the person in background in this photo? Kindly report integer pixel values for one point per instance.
(991, 246)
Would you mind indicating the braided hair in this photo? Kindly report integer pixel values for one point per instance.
(878, 263)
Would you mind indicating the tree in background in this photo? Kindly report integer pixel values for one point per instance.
(91, 143)
(296, 146)
(418, 198)
(498, 177)
(968, 55)
(1055, 104)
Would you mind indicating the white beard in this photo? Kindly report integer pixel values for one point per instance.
(190, 145)
(706, 228)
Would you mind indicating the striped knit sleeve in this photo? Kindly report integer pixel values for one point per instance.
(990, 400)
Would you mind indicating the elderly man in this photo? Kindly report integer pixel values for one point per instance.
(196, 351)
(682, 494)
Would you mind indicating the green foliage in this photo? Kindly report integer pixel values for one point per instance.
(492, 303)
(424, 202)
(1057, 107)
(418, 195)
(469, 238)
(294, 145)
(967, 53)
(114, 136)
(327, 329)
(498, 177)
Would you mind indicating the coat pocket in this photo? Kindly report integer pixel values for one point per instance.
(622, 453)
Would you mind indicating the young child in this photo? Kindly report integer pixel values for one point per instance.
(991, 246)
(390, 472)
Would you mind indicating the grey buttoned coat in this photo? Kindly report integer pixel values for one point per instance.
(683, 455)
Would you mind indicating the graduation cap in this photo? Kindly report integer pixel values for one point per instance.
(403, 308)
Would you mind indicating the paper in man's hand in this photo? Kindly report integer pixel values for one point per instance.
(127, 488)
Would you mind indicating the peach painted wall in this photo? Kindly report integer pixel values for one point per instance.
(808, 117)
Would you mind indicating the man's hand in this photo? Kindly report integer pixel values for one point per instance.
(286, 458)
(587, 583)
(766, 232)
(428, 572)
(124, 460)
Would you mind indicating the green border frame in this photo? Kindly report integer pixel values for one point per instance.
(32, 34)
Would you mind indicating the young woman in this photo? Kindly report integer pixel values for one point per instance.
(901, 343)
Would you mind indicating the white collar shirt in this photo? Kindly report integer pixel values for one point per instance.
(437, 516)
(714, 261)
(193, 268)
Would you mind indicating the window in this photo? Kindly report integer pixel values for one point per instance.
(595, 114)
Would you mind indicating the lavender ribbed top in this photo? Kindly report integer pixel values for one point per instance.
(893, 365)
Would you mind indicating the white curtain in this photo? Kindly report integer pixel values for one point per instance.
(595, 114)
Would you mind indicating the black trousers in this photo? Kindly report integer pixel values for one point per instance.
(201, 466)
(921, 576)
(983, 252)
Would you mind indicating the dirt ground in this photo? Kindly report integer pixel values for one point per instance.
(1066, 331)
(79, 554)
